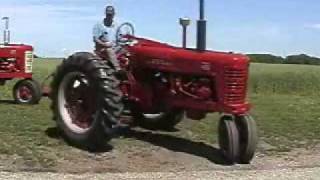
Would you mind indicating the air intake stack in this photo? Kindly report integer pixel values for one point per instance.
(6, 32)
(184, 22)
(202, 28)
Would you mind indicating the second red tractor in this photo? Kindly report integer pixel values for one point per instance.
(16, 62)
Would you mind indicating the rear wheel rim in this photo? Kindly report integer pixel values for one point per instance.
(76, 102)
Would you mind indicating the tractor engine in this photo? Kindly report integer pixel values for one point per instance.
(16, 58)
(185, 87)
(196, 88)
(8, 65)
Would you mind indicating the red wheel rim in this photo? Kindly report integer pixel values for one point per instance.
(80, 103)
(24, 94)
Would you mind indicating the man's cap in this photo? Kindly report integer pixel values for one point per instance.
(110, 10)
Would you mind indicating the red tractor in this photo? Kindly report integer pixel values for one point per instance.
(164, 83)
(16, 63)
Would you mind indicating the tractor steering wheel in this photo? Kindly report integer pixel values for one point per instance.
(122, 31)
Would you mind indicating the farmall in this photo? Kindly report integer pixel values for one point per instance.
(163, 84)
(16, 63)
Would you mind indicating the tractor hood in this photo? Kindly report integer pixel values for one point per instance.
(21, 47)
(166, 57)
(14, 50)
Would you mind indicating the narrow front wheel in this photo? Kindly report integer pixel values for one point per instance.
(248, 138)
(229, 138)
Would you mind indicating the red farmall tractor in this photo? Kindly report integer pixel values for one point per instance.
(163, 84)
(16, 63)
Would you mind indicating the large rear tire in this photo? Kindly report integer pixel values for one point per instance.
(86, 101)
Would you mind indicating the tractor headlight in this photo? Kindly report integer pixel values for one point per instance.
(28, 61)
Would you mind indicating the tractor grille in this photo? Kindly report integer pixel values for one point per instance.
(28, 61)
(235, 85)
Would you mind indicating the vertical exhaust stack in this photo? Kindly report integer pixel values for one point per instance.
(184, 22)
(202, 29)
(6, 32)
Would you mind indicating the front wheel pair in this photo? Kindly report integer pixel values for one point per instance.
(238, 138)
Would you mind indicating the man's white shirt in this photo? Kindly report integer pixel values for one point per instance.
(104, 33)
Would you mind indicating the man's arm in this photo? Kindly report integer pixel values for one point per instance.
(102, 43)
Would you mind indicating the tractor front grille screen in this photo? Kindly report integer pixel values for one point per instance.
(235, 85)
(28, 61)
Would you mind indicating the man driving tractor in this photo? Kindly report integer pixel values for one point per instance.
(104, 38)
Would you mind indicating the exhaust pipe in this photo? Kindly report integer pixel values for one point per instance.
(202, 29)
(6, 32)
